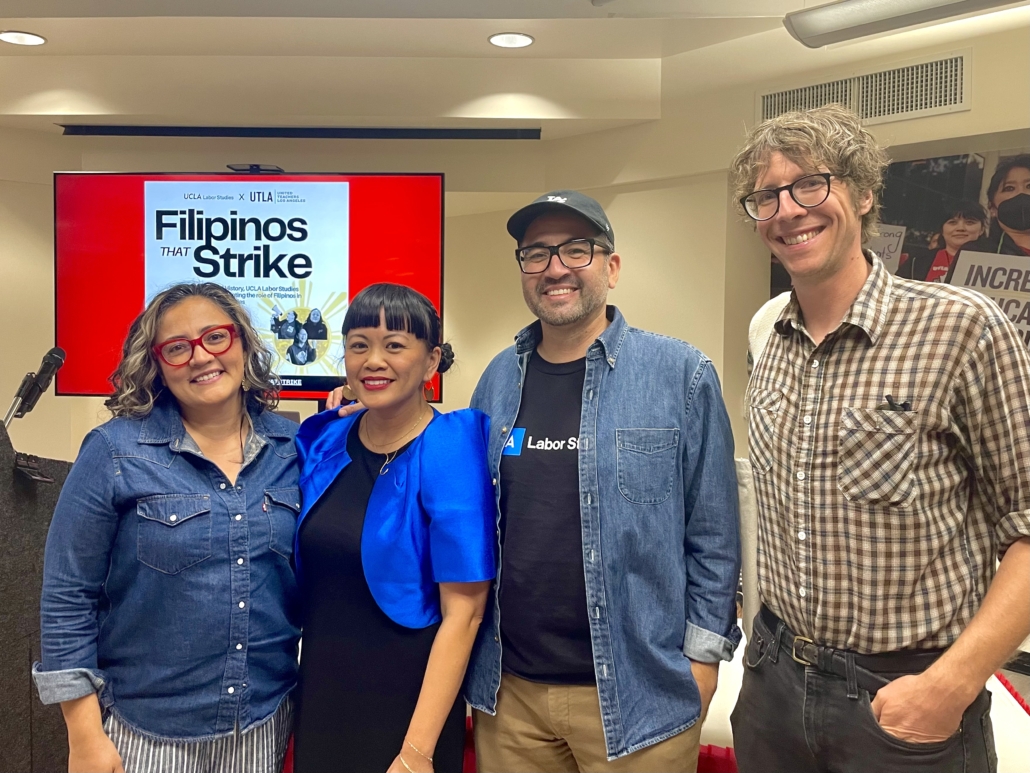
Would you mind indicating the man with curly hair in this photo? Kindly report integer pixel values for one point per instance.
(889, 435)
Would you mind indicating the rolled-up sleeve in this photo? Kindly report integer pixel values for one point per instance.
(994, 406)
(458, 496)
(712, 526)
(75, 567)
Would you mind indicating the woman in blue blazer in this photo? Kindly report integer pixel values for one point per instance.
(394, 552)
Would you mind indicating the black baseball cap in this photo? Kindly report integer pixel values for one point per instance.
(573, 201)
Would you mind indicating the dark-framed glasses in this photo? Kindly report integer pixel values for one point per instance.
(575, 253)
(179, 351)
(808, 191)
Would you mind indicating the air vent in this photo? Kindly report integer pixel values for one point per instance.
(912, 91)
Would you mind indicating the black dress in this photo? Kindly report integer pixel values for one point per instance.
(360, 672)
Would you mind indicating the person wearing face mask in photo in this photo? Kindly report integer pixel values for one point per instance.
(168, 622)
(961, 224)
(1008, 197)
(315, 326)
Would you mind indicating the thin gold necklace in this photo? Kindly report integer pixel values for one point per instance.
(386, 464)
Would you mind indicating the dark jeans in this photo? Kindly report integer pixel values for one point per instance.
(797, 719)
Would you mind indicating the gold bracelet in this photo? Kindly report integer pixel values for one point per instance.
(401, 758)
(420, 754)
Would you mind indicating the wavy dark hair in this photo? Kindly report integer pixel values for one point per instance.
(137, 380)
(405, 309)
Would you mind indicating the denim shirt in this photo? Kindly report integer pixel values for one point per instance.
(658, 508)
(168, 590)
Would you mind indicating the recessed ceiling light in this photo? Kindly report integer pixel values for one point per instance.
(21, 38)
(511, 40)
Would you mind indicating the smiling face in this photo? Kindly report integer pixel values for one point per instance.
(812, 244)
(302, 336)
(959, 230)
(316, 315)
(207, 380)
(562, 296)
(387, 368)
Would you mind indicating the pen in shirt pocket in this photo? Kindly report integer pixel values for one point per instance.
(890, 405)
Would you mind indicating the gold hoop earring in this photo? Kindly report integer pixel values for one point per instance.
(347, 393)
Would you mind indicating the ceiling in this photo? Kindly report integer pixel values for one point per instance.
(594, 65)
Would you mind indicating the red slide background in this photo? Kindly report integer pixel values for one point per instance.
(396, 235)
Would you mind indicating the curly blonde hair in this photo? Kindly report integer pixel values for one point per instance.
(832, 137)
(137, 380)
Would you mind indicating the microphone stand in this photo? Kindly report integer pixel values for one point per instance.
(24, 464)
(19, 397)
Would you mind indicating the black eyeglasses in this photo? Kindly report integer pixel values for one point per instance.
(576, 253)
(808, 191)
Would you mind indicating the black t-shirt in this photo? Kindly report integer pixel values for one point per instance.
(545, 632)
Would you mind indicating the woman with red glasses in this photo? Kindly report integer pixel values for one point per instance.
(169, 629)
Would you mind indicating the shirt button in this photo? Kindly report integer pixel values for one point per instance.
(239, 646)
(815, 363)
(495, 481)
(239, 517)
(232, 690)
(808, 420)
(801, 476)
(240, 560)
(243, 604)
(504, 429)
(173, 518)
(239, 488)
(801, 536)
(801, 592)
(221, 485)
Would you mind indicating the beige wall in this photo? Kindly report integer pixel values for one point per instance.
(691, 268)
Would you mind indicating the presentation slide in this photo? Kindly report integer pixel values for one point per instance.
(292, 248)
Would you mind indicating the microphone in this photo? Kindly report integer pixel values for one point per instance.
(35, 384)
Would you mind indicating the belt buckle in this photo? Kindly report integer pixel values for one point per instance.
(800, 641)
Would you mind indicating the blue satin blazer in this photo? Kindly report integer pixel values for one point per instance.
(431, 515)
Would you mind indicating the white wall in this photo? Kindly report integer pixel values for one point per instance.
(691, 268)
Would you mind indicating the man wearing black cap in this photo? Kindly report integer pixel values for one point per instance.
(617, 513)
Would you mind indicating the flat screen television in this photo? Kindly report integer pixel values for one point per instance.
(293, 248)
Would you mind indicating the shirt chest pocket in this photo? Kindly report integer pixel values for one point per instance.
(763, 414)
(877, 455)
(174, 531)
(282, 506)
(647, 463)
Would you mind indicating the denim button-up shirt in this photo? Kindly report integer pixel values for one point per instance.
(166, 588)
(658, 508)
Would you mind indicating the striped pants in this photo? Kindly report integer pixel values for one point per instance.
(259, 750)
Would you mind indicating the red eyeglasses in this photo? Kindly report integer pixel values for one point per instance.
(179, 351)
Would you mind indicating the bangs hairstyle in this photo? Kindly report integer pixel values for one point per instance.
(1005, 166)
(405, 309)
(137, 380)
(830, 136)
(967, 210)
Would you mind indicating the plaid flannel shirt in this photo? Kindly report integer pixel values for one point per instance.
(892, 464)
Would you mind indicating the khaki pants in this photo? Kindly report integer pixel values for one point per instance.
(546, 728)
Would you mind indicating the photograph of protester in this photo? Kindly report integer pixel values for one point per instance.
(301, 351)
